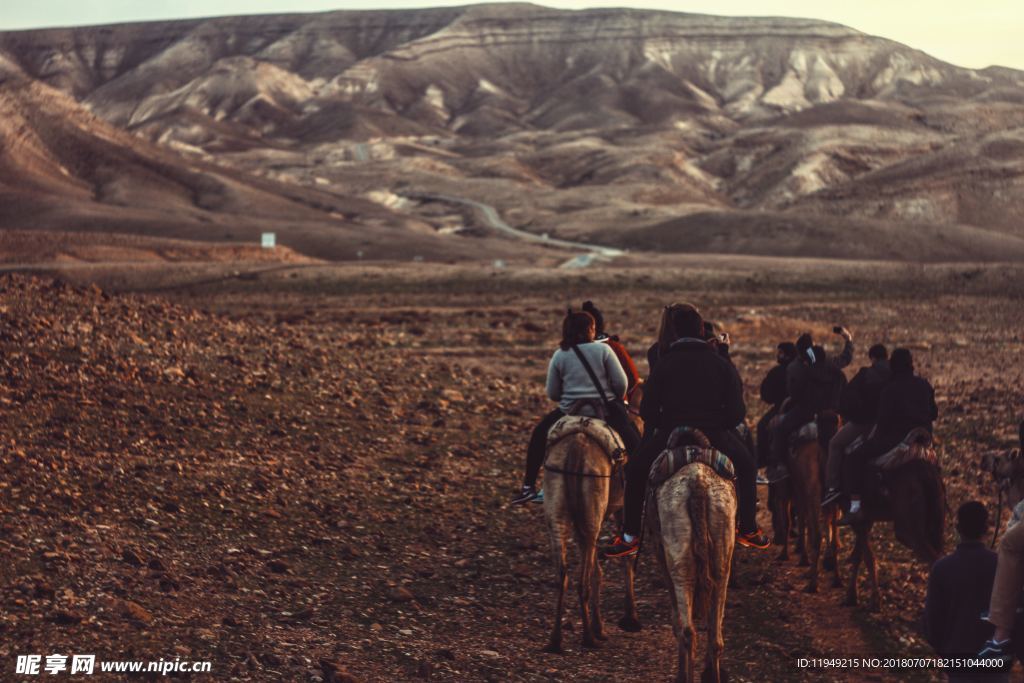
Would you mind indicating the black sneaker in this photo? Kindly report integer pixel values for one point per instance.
(526, 495)
(831, 496)
(753, 539)
(776, 473)
(621, 548)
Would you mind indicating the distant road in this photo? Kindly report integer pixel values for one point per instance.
(494, 220)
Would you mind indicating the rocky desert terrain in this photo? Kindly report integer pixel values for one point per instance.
(295, 463)
(303, 473)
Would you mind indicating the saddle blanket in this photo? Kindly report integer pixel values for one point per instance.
(598, 430)
(916, 446)
(671, 460)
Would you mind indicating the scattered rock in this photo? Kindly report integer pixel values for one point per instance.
(400, 594)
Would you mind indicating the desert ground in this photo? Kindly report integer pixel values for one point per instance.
(300, 471)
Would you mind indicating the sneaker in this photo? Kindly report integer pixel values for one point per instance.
(619, 548)
(776, 473)
(761, 480)
(539, 498)
(527, 494)
(996, 649)
(831, 496)
(753, 539)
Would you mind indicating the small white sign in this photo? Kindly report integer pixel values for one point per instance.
(269, 240)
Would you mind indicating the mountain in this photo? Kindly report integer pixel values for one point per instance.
(642, 128)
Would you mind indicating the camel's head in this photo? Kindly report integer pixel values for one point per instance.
(1007, 468)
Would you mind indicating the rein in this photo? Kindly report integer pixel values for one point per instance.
(579, 474)
(999, 519)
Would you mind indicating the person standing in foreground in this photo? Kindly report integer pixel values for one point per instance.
(959, 589)
(1009, 583)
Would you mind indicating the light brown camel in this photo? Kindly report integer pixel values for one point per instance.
(911, 494)
(583, 486)
(803, 490)
(691, 524)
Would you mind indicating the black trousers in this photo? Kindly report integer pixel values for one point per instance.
(726, 441)
(537, 448)
(855, 464)
(791, 421)
(764, 436)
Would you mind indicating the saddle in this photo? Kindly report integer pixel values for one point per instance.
(598, 430)
(806, 434)
(917, 445)
(676, 456)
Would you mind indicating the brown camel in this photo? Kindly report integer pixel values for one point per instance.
(801, 494)
(691, 524)
(583, 486)
(913, 497)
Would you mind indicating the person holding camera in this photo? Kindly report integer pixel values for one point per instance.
(959, 589)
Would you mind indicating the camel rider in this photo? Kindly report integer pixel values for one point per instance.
(813, 383)
(568, 382)
(858, 405)
(632, 374)
(906, 403)
(773, 392)
(691, 385)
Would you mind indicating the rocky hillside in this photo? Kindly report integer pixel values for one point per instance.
(565, 121)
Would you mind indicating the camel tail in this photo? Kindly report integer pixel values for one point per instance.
(935, 497)
(704, 581)
(574, 494)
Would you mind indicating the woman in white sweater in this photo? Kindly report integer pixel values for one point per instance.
(568, 382)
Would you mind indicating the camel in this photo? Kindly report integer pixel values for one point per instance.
(801, 494)
(691, 524)
(911, 495)
(583, 486)
(1007, 470)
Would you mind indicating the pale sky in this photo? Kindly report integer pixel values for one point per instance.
(974, 33)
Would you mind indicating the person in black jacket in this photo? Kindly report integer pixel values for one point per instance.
(814, 386)
(906, 403)
(959, 589)
(773, 392)
(692, 385)
(858, 406)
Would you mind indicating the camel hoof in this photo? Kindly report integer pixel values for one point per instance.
(630, 624)
(804, 562)
(706, 676)
(782, 557)
(601, 635)
(554, 649)
(591, 645)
